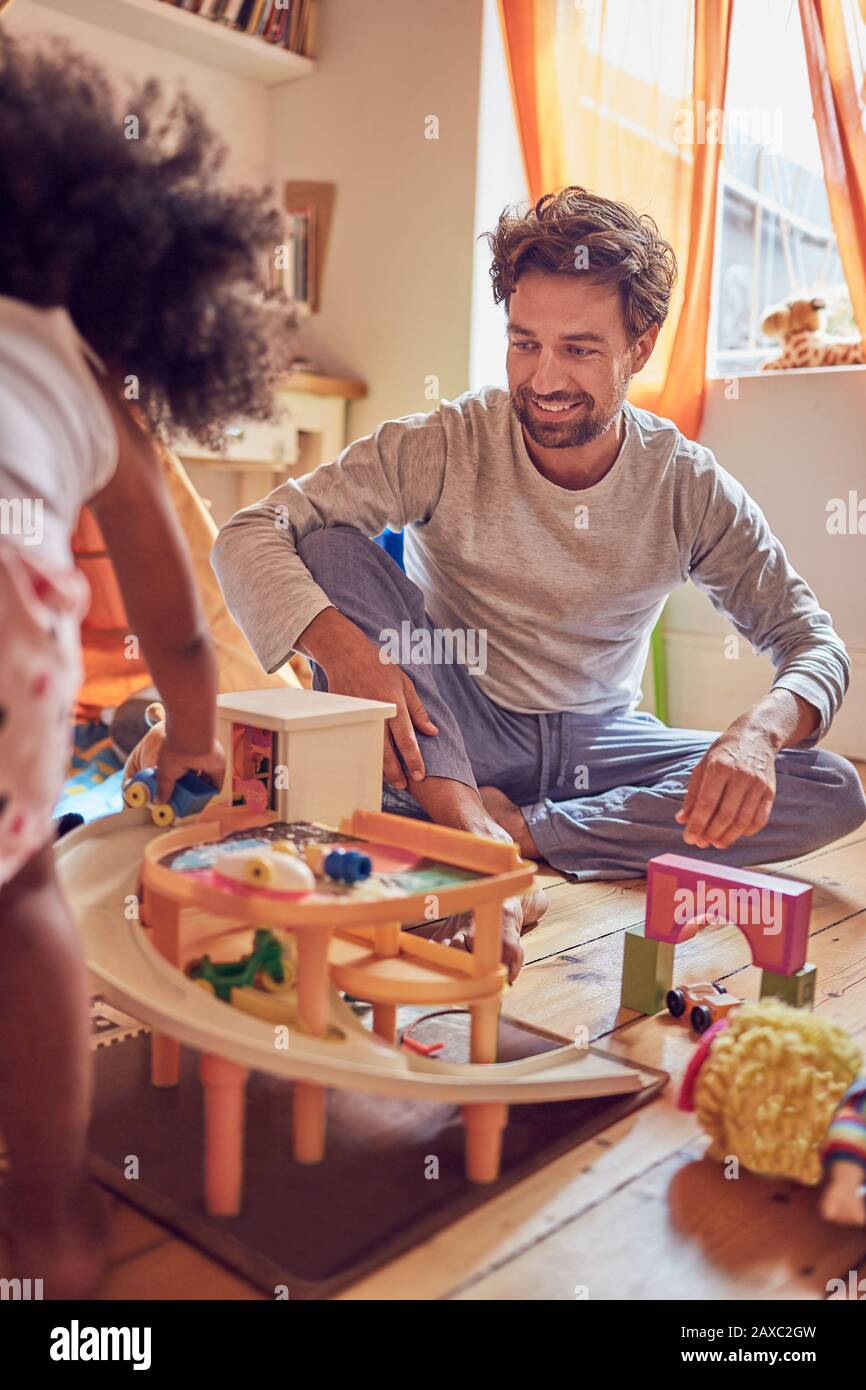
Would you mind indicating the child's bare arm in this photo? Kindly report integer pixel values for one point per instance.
(149, 556)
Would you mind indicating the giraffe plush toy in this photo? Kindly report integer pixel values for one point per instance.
(798, 324)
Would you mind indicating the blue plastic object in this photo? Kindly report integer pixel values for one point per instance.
(191, 792)
(347, 865)
(392, 543)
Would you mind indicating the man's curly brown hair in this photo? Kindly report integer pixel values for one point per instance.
(620, 248)
(163, 270)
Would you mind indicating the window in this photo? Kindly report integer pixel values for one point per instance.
(775, 236)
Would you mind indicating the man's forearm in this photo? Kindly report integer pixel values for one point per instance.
(782, 717)
(329, 631)
(267, 587)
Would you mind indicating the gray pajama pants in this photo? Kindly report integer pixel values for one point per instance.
(598, 792)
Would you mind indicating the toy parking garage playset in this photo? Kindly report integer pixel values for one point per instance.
(264, 904)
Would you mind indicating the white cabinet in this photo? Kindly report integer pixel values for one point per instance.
(311, 429)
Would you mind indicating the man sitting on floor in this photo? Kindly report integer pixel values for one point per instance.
(545, 527)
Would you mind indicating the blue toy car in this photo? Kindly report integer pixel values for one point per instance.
(191, 794)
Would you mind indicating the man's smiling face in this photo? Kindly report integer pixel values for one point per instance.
(569, 357)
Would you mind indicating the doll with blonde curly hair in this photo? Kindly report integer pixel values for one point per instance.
(778, 1089)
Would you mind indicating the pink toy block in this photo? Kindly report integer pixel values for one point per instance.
(685, 894)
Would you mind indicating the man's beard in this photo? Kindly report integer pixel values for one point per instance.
(592, 421)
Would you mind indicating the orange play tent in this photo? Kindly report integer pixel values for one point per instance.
(110, 674)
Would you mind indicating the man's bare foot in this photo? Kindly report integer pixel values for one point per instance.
(510, 817)
(69, 1258)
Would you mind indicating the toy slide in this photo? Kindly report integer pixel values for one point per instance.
(98, 866)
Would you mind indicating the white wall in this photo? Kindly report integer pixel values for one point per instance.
(236, 108)
(795, 441)
(396, 294)
(500, 180)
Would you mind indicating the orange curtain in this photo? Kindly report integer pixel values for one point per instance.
(619, 96)
(838, 108)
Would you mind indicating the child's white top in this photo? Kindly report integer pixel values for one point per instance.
(58, 444)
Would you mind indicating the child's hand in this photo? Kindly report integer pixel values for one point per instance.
(173, 762)
(147, 750)
(843, 1199)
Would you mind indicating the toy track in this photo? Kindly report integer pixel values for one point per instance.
(98, 865)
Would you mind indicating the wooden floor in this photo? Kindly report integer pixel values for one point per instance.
(636, 1212)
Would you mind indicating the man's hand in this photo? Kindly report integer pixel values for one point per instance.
(353, 667)
(732, 789)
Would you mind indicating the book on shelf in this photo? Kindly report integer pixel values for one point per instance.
(309, 207)
(300, 281)
(289, 24)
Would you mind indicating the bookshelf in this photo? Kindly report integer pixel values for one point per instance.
(181, 31)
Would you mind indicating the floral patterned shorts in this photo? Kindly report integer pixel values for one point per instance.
(40, 674)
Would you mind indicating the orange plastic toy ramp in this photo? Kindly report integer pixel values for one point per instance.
(99, 865)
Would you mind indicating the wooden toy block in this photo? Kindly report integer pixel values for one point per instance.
(798, 989)
(685, 894)
(647, 972)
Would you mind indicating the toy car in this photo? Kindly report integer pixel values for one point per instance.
(274, 866)
(191, 794)
(701, 1004)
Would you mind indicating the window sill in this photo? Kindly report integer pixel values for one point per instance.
(786, 372)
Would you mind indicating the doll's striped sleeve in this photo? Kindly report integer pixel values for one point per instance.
(846, 1137)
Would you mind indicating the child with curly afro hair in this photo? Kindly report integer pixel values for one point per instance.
(133, 300)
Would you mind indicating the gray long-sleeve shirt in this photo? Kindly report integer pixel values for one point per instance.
(565, 585)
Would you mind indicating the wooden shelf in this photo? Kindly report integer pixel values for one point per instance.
(180, 31)
(316, 384)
